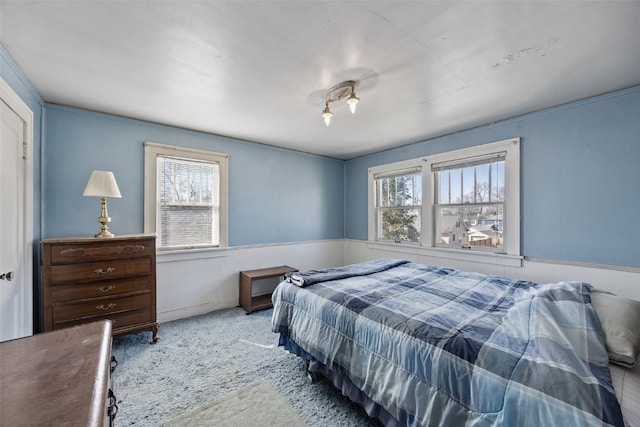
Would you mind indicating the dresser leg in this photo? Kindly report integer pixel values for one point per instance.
(154, 337)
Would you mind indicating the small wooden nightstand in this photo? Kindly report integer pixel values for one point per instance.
(251, 301)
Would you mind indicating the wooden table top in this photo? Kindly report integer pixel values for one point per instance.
(56, 378)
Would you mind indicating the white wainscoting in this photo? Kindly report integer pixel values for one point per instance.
(622, 281)
(189, 284)
(193, 283)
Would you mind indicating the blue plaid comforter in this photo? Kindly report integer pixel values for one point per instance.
(437, 346)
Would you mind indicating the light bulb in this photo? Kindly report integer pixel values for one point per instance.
(327, 114)
(353, 102)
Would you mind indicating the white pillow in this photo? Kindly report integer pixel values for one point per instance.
(620, 318)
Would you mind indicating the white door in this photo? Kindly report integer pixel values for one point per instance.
(16, 319)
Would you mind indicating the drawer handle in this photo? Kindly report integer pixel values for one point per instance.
(106, 288)
(104, 270)
(105, 307)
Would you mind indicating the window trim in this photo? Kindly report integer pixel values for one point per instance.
(151, 191)
(511, 248)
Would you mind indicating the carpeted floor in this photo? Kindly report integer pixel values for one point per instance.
(209, 356)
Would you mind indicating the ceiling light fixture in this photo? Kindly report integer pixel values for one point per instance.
(338, 93)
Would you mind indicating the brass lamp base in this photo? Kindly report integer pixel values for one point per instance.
(105, 233)
(104, 219)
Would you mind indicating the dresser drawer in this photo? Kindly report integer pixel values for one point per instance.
(91, 271)
(80, 291)
(140, 316)
(99, 307)
(65, 253)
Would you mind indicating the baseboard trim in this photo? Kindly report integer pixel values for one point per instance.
(196, 310)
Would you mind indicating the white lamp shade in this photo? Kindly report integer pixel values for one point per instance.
(102, 184)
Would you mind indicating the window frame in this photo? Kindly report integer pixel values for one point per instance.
(511, 248)
(151, 190)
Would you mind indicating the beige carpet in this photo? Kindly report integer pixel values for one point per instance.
(257, 404)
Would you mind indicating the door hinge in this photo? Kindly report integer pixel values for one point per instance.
(24, 150)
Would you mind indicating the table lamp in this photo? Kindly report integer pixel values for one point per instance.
(102, 184)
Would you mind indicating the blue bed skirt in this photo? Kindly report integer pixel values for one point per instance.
(340, 382)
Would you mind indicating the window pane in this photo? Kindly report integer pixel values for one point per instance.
(207, 183)
(468, 184)
(497, 181)
(399, 225)
(181, 179)
(390, 187)
(189, 202)
(472, 226)
(443, 195)
(456, 185)
(481, 183)
(405, 190)
(482, 188)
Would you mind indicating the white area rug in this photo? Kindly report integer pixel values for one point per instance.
(257, 404)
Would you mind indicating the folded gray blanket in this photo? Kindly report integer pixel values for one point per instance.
(309, 277)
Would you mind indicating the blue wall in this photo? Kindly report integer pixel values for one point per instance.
(580, 178)
(275, 195)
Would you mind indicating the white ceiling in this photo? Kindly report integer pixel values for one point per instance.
(259, 70)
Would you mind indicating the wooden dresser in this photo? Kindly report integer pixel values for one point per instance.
(89, 279)
(59, 378)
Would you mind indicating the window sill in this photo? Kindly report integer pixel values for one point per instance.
(190, 254)
(453, 254)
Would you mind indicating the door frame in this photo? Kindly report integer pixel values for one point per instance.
(9, 97)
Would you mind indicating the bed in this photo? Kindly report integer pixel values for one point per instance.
(421, 345)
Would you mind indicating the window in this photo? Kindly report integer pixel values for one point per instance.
(469, 201)
(465, 199)
(185, 197)
(399, 205)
